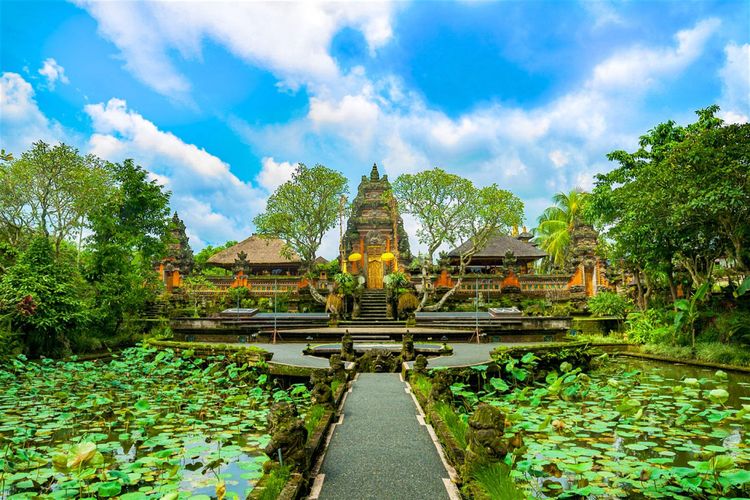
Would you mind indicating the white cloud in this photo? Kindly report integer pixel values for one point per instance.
(273, 174)
(641, 67)
(364, 120)
(289, 39)
(21, 120)
(53, 72)
(212, 201)
(735, 78)
(558, 158)
(604, 13)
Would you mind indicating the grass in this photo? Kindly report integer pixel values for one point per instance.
(274, 483)
(495, 480)
(421, 384)
(714, 352)
(613, 338)
(312, 419)
(335, 385)
(455, 424)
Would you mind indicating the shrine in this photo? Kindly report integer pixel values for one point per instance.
(375, 241)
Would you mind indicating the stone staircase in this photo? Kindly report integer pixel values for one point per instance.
(373, 306)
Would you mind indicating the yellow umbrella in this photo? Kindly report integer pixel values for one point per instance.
(355, 257)
(387, 257)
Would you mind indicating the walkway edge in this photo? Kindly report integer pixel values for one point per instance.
(450, 483)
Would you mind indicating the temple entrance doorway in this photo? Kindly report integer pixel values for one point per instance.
(374, 272)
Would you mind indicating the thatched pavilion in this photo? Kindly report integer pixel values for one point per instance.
(257, 255)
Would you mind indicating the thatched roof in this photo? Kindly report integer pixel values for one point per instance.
(260, 251)
(499, 245)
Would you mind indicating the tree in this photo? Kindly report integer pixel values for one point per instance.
(130, 233)
(452, 211)
(201, 258)
(679, 201)
(302, 210)
(45, 299)
(49, 190)
(556, 224)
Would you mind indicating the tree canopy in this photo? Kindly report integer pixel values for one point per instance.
(51, 190)
(557, 222)
(452, 211)
(303, 209)
(681, 200)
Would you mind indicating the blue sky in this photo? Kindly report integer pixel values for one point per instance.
(220, 100)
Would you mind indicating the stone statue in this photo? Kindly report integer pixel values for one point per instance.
(337, 370)
(484, 438)
(288, 436)
(321, 393)
(441, 387)
(347, 347)
(420, 364)
(407, 350)
(378, 361)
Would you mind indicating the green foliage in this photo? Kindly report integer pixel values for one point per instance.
(610, 304)
(49, 190)
(303, 209)
(42, 298)
(396, 281)
(682, 198)
(201, 259)
(688, 312)
(129, 235)
(496, 482)
(452, 211)
(556, 224)
(140, 421)
(346, 283)
(312, 419)
(456, 424)
(713, 352)
(274, 483)
(650, 326)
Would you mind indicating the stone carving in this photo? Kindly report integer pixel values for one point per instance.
(337, 370)
(347, 347)
(288, 436)
(407, 350)
(420, 364)
(441, 387)
(379, 361)
(321, 393)
(485, 443)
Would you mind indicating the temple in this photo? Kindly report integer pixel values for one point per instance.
(375, 244)
(375, 241)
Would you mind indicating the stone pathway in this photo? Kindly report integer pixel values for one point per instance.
(381, 449)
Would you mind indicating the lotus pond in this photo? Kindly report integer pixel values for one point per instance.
(627, 429)
(147, 424)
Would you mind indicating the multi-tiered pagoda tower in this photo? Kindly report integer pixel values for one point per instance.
(375, 231)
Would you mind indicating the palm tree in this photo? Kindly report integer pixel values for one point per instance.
(556, 224)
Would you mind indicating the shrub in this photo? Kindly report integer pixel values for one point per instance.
(610, 304)
(396, 281)
(407, 303)
(650, 326)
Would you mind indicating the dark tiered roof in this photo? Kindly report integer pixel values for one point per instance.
(498, 246)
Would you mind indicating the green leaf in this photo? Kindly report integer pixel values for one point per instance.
(109, 489)
(142, 405)
(718, 396)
